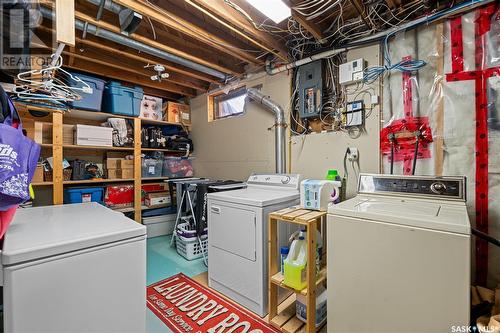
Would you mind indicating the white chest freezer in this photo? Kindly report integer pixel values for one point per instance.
(399, 256)
(74, 268)
(237, 237)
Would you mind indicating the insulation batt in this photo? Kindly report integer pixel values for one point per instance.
(458, 98)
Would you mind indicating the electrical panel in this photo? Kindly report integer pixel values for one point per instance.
(354, 115)
(351, 72)
(310, 89)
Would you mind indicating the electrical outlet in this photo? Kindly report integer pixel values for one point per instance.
(353, 154)
(374, 100)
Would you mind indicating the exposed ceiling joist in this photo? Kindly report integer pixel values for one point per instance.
(91, 67)
(174, 21)
(189, 79)
(310, 26)
(145, 59)
(167, 85)
(223, 14)
(153, 43)
(360, 9)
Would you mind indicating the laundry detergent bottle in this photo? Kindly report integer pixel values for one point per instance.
(295, 264)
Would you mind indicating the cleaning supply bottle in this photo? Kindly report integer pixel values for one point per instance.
(319, 246)
(295, 264)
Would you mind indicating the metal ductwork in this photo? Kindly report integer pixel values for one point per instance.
(279, 124)
(129, 20)
(126, 41)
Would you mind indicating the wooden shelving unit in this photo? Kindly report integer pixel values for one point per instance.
(59, 117)
(286, 321)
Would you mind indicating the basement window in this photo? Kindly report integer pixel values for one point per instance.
(223, 105)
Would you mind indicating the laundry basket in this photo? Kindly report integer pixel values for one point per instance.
(189, 247)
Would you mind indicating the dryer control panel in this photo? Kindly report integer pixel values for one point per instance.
(452, 188)
(288, 180)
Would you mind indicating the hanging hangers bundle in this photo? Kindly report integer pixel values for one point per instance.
(51, 84)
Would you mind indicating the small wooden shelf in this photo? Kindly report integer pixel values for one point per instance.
(286, 321)
(91, 115)
(43, 184)
(98, 148)
(96, 181)
(155, 178)
(123, 209)
(164, 150)
(46, 145)
(278, 278)
(159, 122)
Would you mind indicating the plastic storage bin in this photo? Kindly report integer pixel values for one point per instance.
(84, 194)
(90, 102)
(176, 167)
(151, 168)
(121, 100)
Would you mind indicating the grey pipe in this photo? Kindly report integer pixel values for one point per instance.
(109, 5)
(279, 124)
(123, 40)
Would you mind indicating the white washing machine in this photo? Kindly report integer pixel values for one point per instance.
(74, 268)
(399, 256)
(237, 237)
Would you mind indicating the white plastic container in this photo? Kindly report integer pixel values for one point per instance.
(301, 306)
(159, 225)
(86, 135)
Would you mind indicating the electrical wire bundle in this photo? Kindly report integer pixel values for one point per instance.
(371, 74)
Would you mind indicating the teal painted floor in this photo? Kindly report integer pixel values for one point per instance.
(163, 261)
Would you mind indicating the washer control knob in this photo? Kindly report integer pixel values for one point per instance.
(285, 180)
(438, 188)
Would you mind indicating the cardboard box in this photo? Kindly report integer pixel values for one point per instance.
(120, 173)
(125, 164)
(157, 199)
(68, 134)
(113, 163)
(178, 113)
(86, 135)
(151, 108)
(126, 173)
(43, 132)
(114, 174)
(154, 187)
(38, 176)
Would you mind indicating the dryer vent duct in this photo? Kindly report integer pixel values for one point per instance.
(129, 21)
(279, 124)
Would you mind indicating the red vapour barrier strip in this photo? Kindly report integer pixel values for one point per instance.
(480, 75)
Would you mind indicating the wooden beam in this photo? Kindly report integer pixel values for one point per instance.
(310, 26)
(360, 8)
(145, 60)
(174, 83)
(174, 21)
(65, 22)
(158, 45)
(166, 84)
(90, 67)
(220, 12)
(108, 26)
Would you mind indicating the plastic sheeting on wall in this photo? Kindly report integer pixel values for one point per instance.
(445, 98)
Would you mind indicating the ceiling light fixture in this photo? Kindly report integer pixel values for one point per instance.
(276, 10)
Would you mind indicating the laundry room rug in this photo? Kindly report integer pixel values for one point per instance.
(185, 305)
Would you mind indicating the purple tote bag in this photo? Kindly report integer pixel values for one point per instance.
(18, 159)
